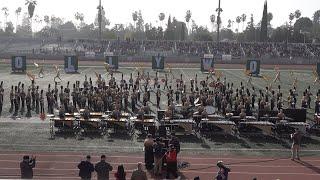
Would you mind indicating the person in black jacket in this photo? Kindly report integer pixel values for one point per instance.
(175, 142)
(102, 168)
(86, 168)
(26, 167)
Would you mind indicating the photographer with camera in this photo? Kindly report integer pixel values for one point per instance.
(223, 171)
(26, 167)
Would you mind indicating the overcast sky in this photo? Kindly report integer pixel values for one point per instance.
(119, 11)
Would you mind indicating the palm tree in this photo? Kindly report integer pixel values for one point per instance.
(297, 14)
(270, 17)
(18, 11)
(162, 16)
(188, 17)
(229, 23)
(291, 18)
(135, 17)
(37, 19)
(243, 18)
(31, 6)
(212, 20)
(316, 17)
(79, 17)
(238, 20)
(46, 19)
(6, 14)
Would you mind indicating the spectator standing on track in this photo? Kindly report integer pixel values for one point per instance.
(148, 152)
(158, 155)
(86, 168)
(102, 168)
(120, 174)
(171, 157)
(26, 167)
(223, 171)
(296, 142)
(139, 174)
(175, 142)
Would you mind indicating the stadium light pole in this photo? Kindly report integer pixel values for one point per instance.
(100, 20)
(219, 10)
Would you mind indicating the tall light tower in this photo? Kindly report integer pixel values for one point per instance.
(219, 10)
(100, 19)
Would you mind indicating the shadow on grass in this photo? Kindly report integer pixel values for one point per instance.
(122, 136)
(260, 140)
(221, 139)
(65, 135)
(256, 161)
(309, 140)
(189, 139)
(309, 166)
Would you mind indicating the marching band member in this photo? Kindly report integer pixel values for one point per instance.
(1, 100)
(242, 114)
(41, 100)
(1, 96)
(304, 101)
(11, 99)
(86, 113)
(116, 113)
(156, 81)
(61, 112)
(130, 81)
(37, 97)
(22, 98)
(281, 115)
(141, 114)
(15, 101)
(309, 95)
(28, 103)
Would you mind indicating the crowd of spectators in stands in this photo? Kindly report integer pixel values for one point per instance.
(194, 48)
(133, 47)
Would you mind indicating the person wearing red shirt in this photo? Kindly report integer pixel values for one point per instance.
(171, 157)
(120, 174)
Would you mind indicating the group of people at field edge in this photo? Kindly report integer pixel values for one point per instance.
(160, 154)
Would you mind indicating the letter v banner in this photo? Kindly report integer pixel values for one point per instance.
(207, 64)
(113, 62)
(19, 64)
(157, 62)
(71, 64)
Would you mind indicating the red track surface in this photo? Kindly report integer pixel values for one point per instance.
(63, 166)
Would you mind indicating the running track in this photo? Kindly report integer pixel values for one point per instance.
(62, 165)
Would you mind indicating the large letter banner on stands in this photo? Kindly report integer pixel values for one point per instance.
(19, 64)
(113, 62)
(253, 67)
(207, 63)
(158, 62)
(71, 64)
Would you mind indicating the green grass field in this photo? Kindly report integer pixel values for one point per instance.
(33, 134)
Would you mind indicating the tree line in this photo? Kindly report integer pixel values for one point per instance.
(297, 29)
